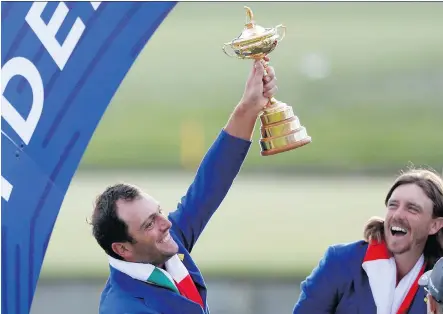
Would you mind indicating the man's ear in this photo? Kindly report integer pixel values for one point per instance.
(122, 249)
(436, 226)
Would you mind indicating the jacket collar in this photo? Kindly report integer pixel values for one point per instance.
(154, 296)
(137, 288)
(363, 290)
(140, 289)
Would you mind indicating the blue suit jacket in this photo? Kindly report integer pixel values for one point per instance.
(220, 166)
(340, 285)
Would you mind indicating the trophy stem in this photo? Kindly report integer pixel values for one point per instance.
(272, 101)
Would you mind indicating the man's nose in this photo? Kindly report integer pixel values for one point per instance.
(164, 223)
(399, 213)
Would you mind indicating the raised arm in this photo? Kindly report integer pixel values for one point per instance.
(223, 161)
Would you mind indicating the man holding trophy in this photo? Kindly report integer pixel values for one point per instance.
(379, 274)
(151, 270)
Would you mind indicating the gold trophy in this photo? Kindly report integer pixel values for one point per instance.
(281, 130)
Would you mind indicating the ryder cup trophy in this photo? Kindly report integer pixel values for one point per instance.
(281, 130)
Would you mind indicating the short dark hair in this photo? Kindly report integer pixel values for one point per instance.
(107, 227)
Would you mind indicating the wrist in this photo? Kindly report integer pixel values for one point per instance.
(242, 121)
(245, 111)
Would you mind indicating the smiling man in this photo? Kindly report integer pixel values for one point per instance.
(151, 270)
(380, 274)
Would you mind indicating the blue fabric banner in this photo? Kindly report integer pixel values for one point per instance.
(61, 63)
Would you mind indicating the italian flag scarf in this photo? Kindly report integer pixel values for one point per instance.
(176, 277)
(390, 297)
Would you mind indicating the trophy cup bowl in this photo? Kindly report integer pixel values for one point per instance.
(281, 129)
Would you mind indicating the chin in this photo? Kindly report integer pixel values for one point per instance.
(395, 247)
(174, 250)
(169, 249)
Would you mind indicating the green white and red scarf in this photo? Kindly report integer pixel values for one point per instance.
(176, 277)
(390, 297)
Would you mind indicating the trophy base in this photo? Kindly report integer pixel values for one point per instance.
(281, 130)
(285, 148)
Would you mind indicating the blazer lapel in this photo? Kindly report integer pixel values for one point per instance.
(198, 279)
(365, 300)
(418, 306)
(194, 273)
(171, 302)
(199, 283)
(155, 297)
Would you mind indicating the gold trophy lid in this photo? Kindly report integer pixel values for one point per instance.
(252, 32)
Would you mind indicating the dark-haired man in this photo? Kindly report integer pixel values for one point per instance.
(151, 270)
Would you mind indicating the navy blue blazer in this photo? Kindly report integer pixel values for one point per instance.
(340, 285)
(217, 171)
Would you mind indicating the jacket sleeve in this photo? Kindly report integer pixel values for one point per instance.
(147, 311)
(319, 291)
(212, 182)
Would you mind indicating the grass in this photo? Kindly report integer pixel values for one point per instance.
(378, 106)
(267, 225)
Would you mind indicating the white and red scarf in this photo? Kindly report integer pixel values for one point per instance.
(390, 297)
(175, 278)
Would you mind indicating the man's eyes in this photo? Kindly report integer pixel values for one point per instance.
(151, 223)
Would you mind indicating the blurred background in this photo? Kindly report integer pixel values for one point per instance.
(366, 79)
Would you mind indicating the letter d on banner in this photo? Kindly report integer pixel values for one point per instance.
(47, 80)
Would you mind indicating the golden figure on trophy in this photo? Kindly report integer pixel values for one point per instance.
(281, 130)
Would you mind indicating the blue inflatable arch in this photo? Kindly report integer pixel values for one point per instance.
(61, 63)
